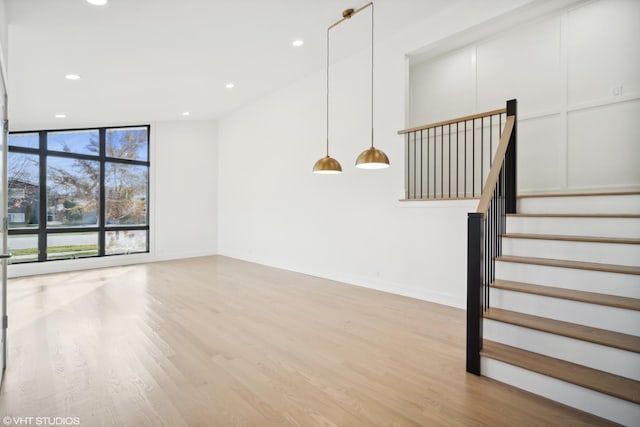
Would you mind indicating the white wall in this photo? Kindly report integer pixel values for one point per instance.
(183, 199)
(348, 227)
(576, 75)
(186, 174)
(4, 38)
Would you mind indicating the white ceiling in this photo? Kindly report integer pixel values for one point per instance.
(148, 60)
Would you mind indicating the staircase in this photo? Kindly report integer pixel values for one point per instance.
(564, 316)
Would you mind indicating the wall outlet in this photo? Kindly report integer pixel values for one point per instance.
(616, 91)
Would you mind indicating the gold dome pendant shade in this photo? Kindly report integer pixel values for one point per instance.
(327, 165)
(372, 158)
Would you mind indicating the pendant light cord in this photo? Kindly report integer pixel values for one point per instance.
(327, 92)
(371, 74)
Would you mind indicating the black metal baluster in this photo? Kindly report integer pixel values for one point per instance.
(435, 163)
(473, 158)
(449, 160)
(465, 158)
(481, 154)
(487, 255)
(421, 154)
(408, 194)
(500, 124)
(501, 201)
(428, 163)
(457, 158)
(494, 235)
(442, 162)
(490, 141)
(415, 172)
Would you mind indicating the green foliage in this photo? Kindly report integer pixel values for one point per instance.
(55, 249)
(71, 214)
(28, 214)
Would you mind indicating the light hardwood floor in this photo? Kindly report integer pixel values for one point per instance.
(220, 342)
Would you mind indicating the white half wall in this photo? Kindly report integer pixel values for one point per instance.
(350, 227)
(183, 200)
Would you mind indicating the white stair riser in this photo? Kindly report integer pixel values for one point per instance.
(626, 285)
(605, 253)
(594, 204)
(602, 405)
(600, 357)
(594, 315)
(598, 227)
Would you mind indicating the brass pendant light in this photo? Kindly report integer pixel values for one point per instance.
(327, 164)
(372, 158)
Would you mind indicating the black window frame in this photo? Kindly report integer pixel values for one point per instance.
(102, 228)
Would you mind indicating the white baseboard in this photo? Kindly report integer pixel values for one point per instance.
(451, 300)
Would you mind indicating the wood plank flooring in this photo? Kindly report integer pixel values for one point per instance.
(220, 342)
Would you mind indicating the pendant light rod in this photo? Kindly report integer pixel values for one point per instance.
(371, 74)
(328, 91)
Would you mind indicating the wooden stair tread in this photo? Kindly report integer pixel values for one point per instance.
(570, 294)
(611, 268)
(572, 215)
(600, 193)
(571, 330)
(603, 382)
(565, 238)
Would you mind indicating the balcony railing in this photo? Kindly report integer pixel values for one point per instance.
(451, 159)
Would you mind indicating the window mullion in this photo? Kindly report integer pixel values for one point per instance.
(103, 197)
(44, 203)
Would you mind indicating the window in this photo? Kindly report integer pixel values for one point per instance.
(78, 193)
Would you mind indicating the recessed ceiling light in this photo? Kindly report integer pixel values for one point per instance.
(186, 113)
(229, 85)
(72, 77)
(97, 2)
(60, 116)
(297, 43)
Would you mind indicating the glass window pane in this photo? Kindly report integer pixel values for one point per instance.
(125, 242)
(126, 194)
(23, 247)
(28, 140)
(71, 245)
(77, 141)
(72, 192)
(128, 143)
(23, 197)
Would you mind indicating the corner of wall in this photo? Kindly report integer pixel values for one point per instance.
(4, 41)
